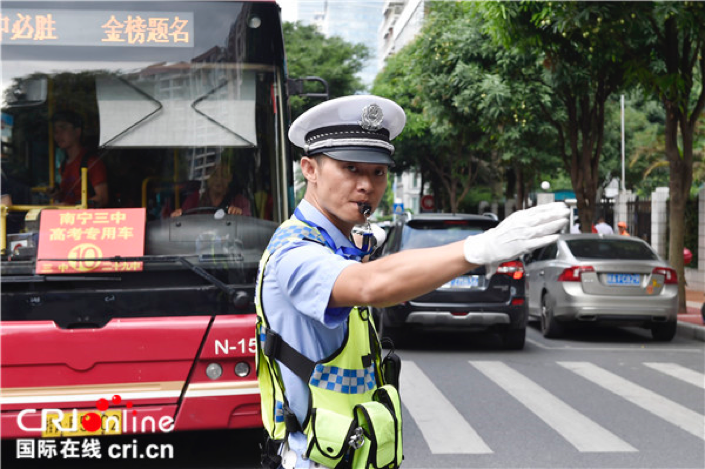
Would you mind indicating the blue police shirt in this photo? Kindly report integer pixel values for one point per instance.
(298, 281)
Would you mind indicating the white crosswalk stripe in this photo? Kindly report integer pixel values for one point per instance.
(581, 432)
(446, 432)
(670, 411)
(440, 423)
(679, 372)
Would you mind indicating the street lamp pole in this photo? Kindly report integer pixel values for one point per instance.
(622, 106)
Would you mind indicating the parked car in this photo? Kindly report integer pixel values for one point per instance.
(472, 300)
(605, 279)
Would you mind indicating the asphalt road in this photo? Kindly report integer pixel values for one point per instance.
(601, 398)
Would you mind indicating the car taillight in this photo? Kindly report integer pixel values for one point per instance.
(515, 269)
(670, 276)
(572, 274)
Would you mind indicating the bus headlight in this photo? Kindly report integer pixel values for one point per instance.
(242, 369)
(214, 371)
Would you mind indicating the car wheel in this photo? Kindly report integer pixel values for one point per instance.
(664, 332)
(549, 326)
(514, 339)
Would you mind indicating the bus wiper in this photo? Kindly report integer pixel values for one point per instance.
(222, 84)
(239, 298)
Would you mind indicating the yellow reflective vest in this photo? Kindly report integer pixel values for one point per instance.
(353, 418)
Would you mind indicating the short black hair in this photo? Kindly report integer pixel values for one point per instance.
(71, 117)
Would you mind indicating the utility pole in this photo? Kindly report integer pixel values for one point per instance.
(623, 173)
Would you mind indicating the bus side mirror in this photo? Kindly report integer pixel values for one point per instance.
(296, 87)
(29, 92)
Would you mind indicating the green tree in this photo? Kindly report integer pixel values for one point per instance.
(468, 117)
(473, 116)
(512, 101)
(584, 47)
(672, 66)
(398, 81)
(310, 53)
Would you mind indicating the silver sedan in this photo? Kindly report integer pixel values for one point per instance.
(606, 279)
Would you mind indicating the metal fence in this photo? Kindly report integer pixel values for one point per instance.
(639, 219)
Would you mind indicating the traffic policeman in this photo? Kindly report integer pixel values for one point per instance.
(328, 399)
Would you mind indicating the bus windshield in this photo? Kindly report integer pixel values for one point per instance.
(179, 109)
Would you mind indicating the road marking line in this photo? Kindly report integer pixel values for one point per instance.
(670, 411)
(679, 372)
(642, 348)
(581, 432)
(442, 426)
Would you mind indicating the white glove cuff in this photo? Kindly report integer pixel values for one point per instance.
(477, 248)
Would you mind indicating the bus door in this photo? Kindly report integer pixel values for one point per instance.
(142, 312)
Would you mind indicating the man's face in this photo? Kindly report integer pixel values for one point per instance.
(66, 135)
(338, 187)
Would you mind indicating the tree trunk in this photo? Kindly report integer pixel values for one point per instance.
(679, 59)
(681, 178)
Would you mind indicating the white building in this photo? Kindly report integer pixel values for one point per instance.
(408, 189)
(403, 20)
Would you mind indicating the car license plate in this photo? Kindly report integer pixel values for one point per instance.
(464, 281)
(111, 424)
(624, 279)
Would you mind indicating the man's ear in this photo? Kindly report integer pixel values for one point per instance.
(308, 168)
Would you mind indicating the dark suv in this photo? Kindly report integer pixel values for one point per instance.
(470, 301)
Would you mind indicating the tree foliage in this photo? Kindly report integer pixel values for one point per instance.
(310, 53)
(468, 118)
(672, 67)
(585, 48)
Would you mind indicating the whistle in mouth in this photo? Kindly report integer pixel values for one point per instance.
(365, 209)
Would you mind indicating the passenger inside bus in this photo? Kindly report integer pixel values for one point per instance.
(219, 193)
(68, 136)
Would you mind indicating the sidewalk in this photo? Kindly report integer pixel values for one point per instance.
(691, 324)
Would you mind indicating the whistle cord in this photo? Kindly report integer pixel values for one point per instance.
(353, 253)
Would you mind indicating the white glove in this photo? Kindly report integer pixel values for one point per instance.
(519, 233)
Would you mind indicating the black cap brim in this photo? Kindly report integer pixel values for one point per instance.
(358, 155)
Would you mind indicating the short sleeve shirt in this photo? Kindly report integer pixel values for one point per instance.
(604, 228)
(298, 281)
(70, 187)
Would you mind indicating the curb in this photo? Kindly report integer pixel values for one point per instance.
(690, 331)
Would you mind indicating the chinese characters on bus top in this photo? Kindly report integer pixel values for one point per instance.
(96, 28)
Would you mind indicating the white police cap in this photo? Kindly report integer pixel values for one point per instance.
(352, 128)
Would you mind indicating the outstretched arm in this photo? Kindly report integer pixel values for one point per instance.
(408, 274)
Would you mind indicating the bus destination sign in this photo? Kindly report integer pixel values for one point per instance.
(96, 28)
(70, 241)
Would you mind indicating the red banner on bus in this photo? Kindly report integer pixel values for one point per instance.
(71, 240)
